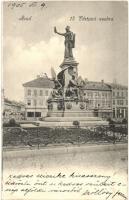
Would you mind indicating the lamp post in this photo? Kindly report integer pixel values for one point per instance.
(63, 104)
(35, 109)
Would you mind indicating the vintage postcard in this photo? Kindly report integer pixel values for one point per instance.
(65, 100)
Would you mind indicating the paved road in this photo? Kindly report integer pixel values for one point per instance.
(105, 155)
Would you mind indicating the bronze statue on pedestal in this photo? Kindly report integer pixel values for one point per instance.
(69, 41)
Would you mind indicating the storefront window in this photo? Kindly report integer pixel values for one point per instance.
(30, 114)
(37, 114)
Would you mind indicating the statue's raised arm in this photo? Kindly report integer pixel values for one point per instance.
(55, 30)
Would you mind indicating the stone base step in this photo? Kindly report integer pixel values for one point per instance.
(71, 119)
(74, 113)
(70, 124)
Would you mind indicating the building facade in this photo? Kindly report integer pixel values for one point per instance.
(36, 94)
(119, 101)
(99, 95)
(106, 100)
(13, 109)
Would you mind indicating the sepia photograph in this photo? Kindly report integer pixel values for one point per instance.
(64, 100)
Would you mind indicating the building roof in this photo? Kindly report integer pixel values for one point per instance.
(13, 103)
(44, 82)
(7, 100)
(40, 82)
(118, 86)
(90, 85)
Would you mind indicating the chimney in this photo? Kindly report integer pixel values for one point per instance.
(114, 81)
(38, 76)
(86, 80)
(102, 81)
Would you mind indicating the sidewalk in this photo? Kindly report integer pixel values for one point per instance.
(64, 149)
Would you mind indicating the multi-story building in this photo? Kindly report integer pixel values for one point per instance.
(106, 100)
(36, 94)
(13, 109)
(119, 101)
(99, 96)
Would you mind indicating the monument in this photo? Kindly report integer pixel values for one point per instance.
(67, 101)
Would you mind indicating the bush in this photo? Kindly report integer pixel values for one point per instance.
(5, 124)
(110, 121)
(36, 123)
(124, 121)
(76, 123)
(11, 123)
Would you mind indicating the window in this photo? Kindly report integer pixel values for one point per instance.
(109, 104)
(37, 114)
(98, 105)
(41, 93)
(109, 94)
(122, 94)
(103, 102)
(35, 92)
(126, 113)
(122, 113)
(30, 114)
(29, 92)
(96, 94)
(114, 113)
(90, 102)
(118, 94)
(28, 102)
(113, 102)
(121, 102)
(126, 102)
(105, 94)
(113, 94)
(118, 102)
(46, 93)
(118, 113)
(99, 95)
(89, 94)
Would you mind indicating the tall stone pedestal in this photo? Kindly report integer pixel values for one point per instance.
(63, 112)
(67, 107)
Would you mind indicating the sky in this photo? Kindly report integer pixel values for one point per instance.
(30, 47)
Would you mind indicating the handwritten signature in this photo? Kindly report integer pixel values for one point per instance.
(120, 194)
